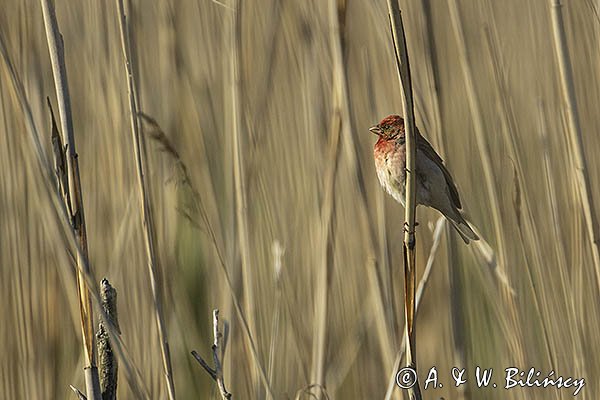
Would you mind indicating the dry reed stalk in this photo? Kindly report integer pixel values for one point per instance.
(552, 196)
(527, 228)
(350, 146)
(509, 129)
(277, 265)
(475, 107)
(239, 174)
(146, 210)
(322, 280)
(580, 165)
(492, 194)
(560, 252)
(74, 200)
(349, 346)
(274, 37)
(454, 275)
(433, 76)
(168, 147)
(62, 218)
(337, 11)
(437, 236)
(387, 273)
(410, 273)
(539, 304)
(243, 264)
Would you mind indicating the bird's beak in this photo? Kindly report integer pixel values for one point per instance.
(376, 130)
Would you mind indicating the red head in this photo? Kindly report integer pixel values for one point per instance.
(389, 128)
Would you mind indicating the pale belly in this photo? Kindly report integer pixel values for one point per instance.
(391, 176)
(395, 187)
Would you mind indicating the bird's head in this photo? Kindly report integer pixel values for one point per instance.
(391, 127)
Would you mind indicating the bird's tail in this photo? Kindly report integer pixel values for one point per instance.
(464, 230)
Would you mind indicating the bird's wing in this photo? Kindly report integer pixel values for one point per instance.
(425, 147)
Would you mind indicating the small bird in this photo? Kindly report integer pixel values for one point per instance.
(435, 186)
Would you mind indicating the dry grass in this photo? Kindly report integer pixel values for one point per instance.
(294, 186)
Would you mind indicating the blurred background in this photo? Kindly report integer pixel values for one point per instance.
(311, 243)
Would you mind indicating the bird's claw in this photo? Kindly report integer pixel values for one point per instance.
(407, 228)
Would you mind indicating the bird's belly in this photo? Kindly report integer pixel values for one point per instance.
(393, 180)
(392, 184)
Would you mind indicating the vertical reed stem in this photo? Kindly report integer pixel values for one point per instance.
(401, 51)
(75, 198)
(146, 210)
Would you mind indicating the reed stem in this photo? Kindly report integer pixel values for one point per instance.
(146, 210)
(401, 52)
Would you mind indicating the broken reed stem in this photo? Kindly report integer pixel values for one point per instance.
(401, 52)
(218, 352)
(107, 362)
(74, 201)
(437, 236)
(146, 210)
(580, 167)
(62, 217)
(78, 393)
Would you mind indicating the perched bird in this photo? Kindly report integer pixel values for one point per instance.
(435, 186)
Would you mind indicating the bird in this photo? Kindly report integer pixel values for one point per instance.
(435, 187)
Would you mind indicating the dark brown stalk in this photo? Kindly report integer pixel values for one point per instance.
(107, 362)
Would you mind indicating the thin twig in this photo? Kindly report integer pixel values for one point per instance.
(74, 201)
(146, 210)
(218, 351)
(78, 393)
(308, 391)
(204, 365)
(401, 51)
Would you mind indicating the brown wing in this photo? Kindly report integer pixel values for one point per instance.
(426, 148)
